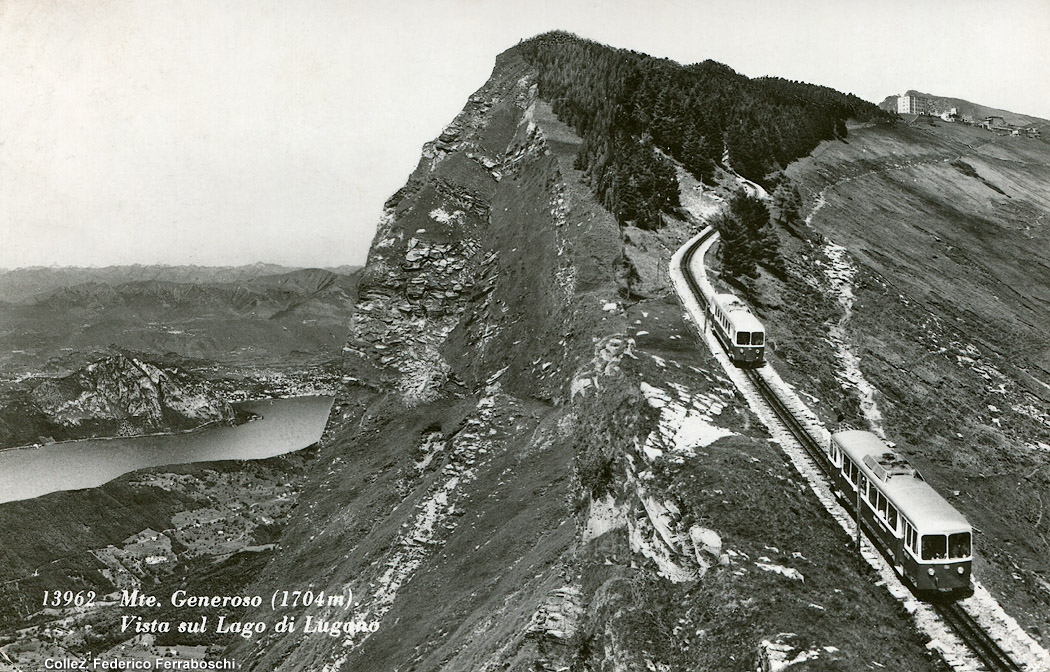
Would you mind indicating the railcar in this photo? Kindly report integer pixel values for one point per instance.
(930, 542)
(740, 332)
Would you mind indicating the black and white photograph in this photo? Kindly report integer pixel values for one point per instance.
(538, 336)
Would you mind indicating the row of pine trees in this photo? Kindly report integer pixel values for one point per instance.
(633, 111)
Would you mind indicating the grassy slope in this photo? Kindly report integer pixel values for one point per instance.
(962, 218)
(951, 323)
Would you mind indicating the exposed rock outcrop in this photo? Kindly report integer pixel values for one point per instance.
(130, 391)
(483, 291)
(120, 395)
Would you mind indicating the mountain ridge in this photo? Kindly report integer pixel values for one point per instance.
(483, 488)
(23, 284)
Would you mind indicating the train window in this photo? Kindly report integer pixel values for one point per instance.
(934, 547)
(743, 338)
(854, 473)
(891, 516)
(959, 545)
(757, 338)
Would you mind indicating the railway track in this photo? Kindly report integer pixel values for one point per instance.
(982, 644)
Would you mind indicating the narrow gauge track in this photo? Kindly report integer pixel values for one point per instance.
(980, 642)
(983, 645)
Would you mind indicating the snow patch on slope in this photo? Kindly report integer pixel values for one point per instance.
(686, 422)
(952, 650)
(605, 515)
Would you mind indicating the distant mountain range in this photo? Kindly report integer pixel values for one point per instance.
(22, 284)
(240, 313)
(308, 292)
(965, 109)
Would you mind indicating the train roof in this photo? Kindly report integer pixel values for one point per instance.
(738, 313)
(902, 484)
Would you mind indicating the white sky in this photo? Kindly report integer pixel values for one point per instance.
(232, 131)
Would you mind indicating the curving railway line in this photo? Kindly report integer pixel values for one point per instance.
(982, 644)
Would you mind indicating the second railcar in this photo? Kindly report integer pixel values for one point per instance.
(740, 332)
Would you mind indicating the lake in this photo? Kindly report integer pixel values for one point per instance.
(286, 425)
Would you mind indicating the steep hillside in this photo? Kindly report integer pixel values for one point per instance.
(499, 488)
(945, 272)
(704, 115)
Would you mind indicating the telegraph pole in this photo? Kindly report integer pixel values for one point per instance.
(859, 552)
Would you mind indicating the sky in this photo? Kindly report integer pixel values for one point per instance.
(227, 132)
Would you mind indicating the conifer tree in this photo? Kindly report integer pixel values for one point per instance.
(733, 251)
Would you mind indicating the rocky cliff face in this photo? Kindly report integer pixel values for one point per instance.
(118, 395)
(476, 246)
(448, 507)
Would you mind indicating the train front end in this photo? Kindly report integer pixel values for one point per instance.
(941, 568)
(747, 339)
(748, 354)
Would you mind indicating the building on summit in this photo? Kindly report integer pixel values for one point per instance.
(913, 105)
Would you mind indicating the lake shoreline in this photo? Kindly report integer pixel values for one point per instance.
(281, 425)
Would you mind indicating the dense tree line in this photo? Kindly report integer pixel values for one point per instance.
(747, 237)
(632, 109)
